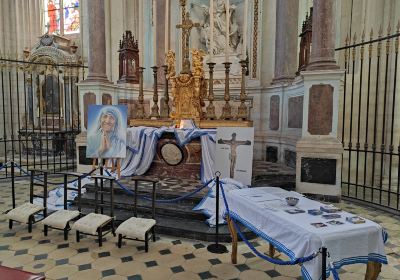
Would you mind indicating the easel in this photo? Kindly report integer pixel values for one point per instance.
(115, 165)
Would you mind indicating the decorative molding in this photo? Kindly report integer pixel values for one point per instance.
(255, 39)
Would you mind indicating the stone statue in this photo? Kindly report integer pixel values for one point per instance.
(235, 36)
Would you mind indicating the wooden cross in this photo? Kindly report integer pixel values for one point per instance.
(186, 25)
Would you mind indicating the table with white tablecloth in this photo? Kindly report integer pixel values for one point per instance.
(263, 211)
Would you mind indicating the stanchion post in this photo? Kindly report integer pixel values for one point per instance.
(217, 248)
(13, 184)
(323, 263)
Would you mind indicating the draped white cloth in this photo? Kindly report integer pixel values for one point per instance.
(207, 204)
(142, 145)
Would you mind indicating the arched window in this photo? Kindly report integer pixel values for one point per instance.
(61, 16)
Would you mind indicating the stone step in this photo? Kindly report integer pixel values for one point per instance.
(180, 227)
(126, 203)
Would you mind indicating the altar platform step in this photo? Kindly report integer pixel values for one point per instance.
(179, 226)
(175, 219)
(178, 219)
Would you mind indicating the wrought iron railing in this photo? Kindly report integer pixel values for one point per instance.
(370, 119)
(39, 114)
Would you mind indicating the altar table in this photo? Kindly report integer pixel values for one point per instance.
(263, 211)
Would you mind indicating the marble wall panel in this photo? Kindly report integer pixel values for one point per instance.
(320, 109)
(295, 112)
(274, 112)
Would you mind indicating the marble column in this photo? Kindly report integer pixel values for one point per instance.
(97, 42)
(286, 40)
(323, 36)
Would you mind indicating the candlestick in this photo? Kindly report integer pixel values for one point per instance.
(211, 107)
(227, 10)
(140, 109)
(155, 109)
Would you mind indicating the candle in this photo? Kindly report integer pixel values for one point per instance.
(246, 7)
(166, 38)
(211, 44)
(154, 33)
(227, 10)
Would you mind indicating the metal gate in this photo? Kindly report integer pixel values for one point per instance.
(370, 119)
(39, 115)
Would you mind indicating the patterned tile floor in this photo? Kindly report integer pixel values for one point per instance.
(168, 258)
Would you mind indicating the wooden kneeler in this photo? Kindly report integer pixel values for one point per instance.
(139, 229)
(26, 212)
(95, 223)
(60, 219)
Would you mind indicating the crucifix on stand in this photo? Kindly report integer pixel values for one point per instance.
(186, 25)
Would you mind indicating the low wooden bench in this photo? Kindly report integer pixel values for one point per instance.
(15, 274)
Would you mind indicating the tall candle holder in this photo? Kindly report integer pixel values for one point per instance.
(155, 109)
(140, 109)
(165, 107)
(211, 108)
(227, 109)
(242, 109)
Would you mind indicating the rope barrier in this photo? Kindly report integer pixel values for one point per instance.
(173, 200)
(41, 180)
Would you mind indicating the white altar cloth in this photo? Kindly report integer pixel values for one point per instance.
(262, 211)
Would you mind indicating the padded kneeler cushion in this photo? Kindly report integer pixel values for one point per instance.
(15, 274)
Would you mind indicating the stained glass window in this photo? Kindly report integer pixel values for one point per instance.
(61, 16)
(71, 16)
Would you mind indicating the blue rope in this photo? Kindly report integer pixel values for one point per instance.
(52, 183)
(173, 200)
(265, 257)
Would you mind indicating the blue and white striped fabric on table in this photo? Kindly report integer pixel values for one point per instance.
(263, 211)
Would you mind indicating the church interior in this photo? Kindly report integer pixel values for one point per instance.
(199, 139)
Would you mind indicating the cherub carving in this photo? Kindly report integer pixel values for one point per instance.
(197, 61)
(170, 61)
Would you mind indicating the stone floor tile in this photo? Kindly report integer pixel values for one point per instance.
(91, 274)
(26, 244)
(17, 261)
(61, 271)
(197, 265)
(288, 270)
(63, 253)
(225, 271)
(39, 266)
(171, 260)
(106, 263)
(114, 277)
(82, 258)
(259, 264)
(42, 249)
(254, 275)
(186, 275)
(130, 268)
(157, 273)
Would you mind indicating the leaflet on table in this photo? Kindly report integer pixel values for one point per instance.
(330, 209)
(355, 220)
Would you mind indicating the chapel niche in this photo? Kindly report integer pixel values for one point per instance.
(51, 117)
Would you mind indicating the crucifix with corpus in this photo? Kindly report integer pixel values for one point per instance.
(186, 25)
